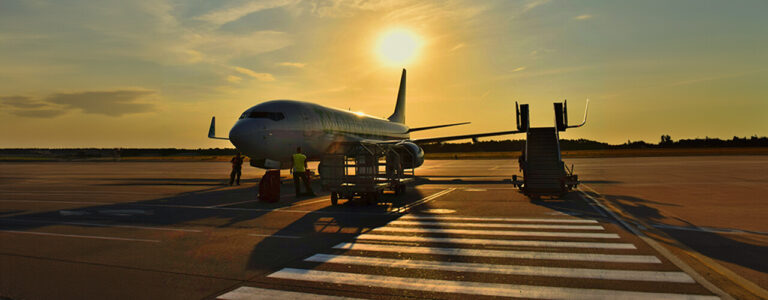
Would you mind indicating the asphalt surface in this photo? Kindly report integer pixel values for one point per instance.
(176, 230)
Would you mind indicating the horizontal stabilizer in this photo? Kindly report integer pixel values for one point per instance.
(436, 126)
(212, 130)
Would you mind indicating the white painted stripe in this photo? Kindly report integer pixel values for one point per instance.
(100, 225)
(306, 203)
(424, 239)
(248, 293)
(500, 232)
(472, 288)
(425, 200)
(276, 236)
(80, 236)
(533, 220)
(231, 203)
(617, 258)
(504, 269)
(57, 202)
(498, 225)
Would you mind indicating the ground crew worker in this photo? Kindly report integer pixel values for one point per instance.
(237, 165)
(299, 169)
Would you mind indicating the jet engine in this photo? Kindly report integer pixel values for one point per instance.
(412, 154)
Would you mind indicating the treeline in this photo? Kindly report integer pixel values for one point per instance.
(584, 144)
(480, 146)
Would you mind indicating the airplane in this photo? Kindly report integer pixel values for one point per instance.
(268, 133)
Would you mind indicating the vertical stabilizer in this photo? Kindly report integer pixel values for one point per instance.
(399, 114)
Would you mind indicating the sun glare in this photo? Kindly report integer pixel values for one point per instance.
(398, 47)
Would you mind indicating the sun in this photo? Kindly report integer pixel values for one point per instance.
(398, 47)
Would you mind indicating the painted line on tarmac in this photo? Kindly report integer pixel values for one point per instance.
(472, 288)
(308, 202)
(247, 292)
(425, 200)
(80, 236)
(230, 204)
(500, 232)
(498, 225)
(593, 206)
(677, 261)
(100, 225)
(534, 220)
(411, 264)
(615, 258)
(276, 236)
(468, 241)
(56, 201)
(709, 229)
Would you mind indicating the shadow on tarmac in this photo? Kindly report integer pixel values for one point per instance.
(712, 244)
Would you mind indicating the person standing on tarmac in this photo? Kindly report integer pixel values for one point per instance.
(237, 165)
(299, 169)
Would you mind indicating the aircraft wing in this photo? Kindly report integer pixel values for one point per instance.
(463, 137)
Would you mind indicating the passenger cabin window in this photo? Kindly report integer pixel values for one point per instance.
(274, 116)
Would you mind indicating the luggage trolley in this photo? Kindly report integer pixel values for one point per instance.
(366, 171)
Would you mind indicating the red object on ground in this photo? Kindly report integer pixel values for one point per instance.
(269, 186)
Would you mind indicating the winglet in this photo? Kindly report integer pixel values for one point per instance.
(399, 115)
(586, 110)
(212, 130)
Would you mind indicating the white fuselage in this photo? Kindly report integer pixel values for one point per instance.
(270, 132)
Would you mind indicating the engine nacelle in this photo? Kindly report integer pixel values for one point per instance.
(415, 156)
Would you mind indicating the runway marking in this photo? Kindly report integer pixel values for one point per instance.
(230, 204)
(306, 203)
(472, 288)
(56, 201)
(247, 292)
(497, 225)
(475, 190)
(100, 225)
(532, 220)
(276, 236)
(618, 258)
(500, 232)
(709, 229)
(606, 274)
(424, 200)
(80, 236)
(468, 241)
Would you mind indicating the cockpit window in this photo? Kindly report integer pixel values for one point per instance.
(274, 116)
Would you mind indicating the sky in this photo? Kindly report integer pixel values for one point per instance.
(151, 73)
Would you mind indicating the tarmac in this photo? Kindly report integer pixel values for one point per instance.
(660, 228)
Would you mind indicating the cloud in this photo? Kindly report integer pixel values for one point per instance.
(234, 79)
(457, 47)
(255, 75)
(533, 4)
(235, 12)
(109, 103)
(23, 102)
(28, 107)
(582, 17)
(40, 113)
(292, 64)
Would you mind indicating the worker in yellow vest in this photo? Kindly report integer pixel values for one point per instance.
(299, 169)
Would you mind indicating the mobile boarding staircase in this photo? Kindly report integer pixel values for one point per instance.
(544, 172)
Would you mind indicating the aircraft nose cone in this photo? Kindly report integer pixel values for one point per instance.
(238, 135)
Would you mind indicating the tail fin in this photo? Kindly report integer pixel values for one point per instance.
(399, 115)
